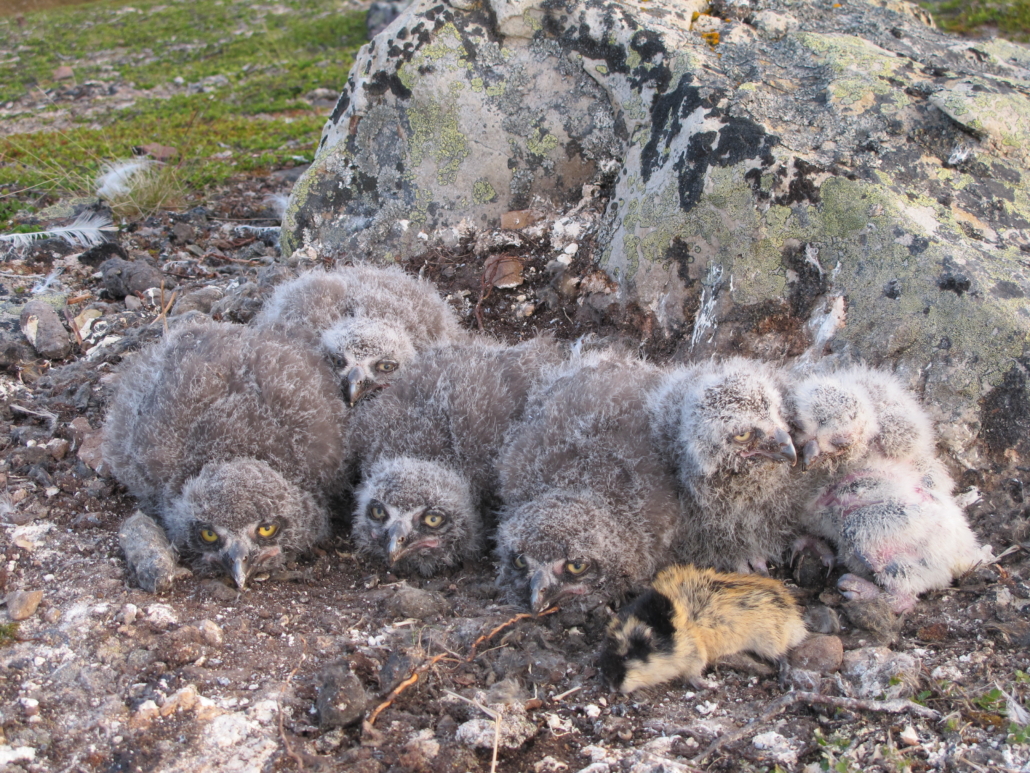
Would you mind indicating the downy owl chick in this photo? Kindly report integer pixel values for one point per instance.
(368, 321)
(235, 439)
(843, 417)
(692, 617)
(722, 426)
(890, 526)
(428, 448)
(590, 507)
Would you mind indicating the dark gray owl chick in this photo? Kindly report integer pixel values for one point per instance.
(589, 506)
(428, 449)
(235, 438)
(721, 424)
(368, 321)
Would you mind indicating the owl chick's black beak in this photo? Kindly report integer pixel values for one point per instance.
(779, 448)
(358, 384)
(236, 561)
(809, 454)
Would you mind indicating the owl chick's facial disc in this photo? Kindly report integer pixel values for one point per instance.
(835, 420)
(236, 517)
(366, 353)
(416, 515)
(545, 559)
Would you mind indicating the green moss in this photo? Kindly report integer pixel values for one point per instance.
(8, 633)
(252, 116)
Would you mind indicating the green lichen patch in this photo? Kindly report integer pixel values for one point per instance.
(862, 72)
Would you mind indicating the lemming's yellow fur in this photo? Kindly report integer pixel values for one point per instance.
(714, 614)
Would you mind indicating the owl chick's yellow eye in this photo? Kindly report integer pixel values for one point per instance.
(209, 535)
(387, 366)
(743, 437)
(576, 567)
(519, 562)
(267, 530)
(377, 512)
(433, 519)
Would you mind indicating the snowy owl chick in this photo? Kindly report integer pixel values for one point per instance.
(590, 507)
(428, 448)
(722, 426)
(367, 321)
(235, 439)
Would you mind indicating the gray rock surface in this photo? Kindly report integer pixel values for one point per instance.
(792, 181)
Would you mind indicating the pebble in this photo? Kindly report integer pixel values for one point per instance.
(161, 616)
(417, 603)
(212, 632)
(776, 747)
(341, 698)
(872, 670)
(820, 653)
(909, 736)
(43, 328)
(123, 277)
(220, 591)
(22, 605)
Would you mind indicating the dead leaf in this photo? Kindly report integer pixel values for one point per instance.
(519, 218)
(63, 73)
(503, 271)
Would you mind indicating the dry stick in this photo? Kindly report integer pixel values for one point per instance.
(282, 733)
(404, 686)
(494, 715)
(506, 624)
(437, 658)
(851, 704)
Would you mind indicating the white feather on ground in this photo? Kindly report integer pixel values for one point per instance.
(87, 230)
(117, 177)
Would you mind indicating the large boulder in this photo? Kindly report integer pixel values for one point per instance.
(786, 179)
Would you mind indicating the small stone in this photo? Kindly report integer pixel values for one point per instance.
(179, 647)
(341, 698)
(63, 73)
(145, 713)
(220, 591)
(58, 448)
(909, 736)
(161, 616)
(212, 633)
(128, 614)
(43, 328)
(124, 277)
(227, 730)
(90, 450)
(592, 710)
(30, 706)
(182, 700)
(775, 747)
(22, 605)
(876, 671)
(823, 654)
(413, 602)
(132, 303)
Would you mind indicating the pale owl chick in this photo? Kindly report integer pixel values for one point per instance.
(852, 420)
(590, 507)
(235, 439)
(888, 525)
(844, 417)
(428, 448)
(721, 425)
(367, 321)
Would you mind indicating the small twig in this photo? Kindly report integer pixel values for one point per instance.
(851, 704)
(494, 715)
(506, 624)
(71, 323)
(51, 418)
(567, 693)
(404, 686)
(282, 732)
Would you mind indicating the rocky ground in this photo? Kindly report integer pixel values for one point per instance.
(340, 665)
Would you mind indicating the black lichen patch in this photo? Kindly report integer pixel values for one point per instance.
(682, 254)
(1005, 415)
(1007, 290)
(384, 81)
(736, 140)
(955, 282)
(811, 280)
(802, 186)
